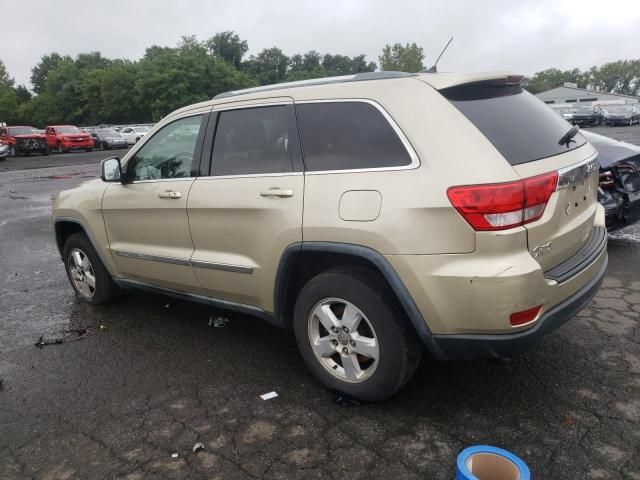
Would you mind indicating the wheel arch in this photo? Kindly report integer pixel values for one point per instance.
(301, 261)
(66, 226)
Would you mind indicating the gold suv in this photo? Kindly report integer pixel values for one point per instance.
(374, 215)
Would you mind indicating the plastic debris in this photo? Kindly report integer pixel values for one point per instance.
(103, 327)
(197, 447)
(174, 455)
(218, 322)
(72, 334)
(269, 396)
(167, 305)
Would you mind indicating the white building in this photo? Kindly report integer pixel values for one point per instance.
(569, 93)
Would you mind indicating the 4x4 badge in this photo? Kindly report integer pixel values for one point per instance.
(541, 250)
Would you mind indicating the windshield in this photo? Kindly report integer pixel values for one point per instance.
(109, 133)
(68, 130)
(619, 109)
(13, 131)
(585, 110)
(141, 129)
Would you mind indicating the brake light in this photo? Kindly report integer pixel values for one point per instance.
(526, 316)
(500, 206)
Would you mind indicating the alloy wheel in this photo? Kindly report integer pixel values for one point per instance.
(343, 340)
(81, 273)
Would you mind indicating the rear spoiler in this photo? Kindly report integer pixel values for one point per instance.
(440, 81)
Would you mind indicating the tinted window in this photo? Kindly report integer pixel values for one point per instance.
(348, 135)
(169, 153)
(519, 125)
(253, 140)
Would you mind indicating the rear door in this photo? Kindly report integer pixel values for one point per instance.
(249, 209)
(527, 133)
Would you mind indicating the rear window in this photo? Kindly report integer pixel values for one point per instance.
(348, 136)
(520, 126)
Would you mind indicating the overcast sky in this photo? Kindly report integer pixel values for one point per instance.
(525, 36)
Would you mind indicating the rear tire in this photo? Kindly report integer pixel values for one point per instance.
(89, 278)
(45, 152)
(90, 149)
(343, 361)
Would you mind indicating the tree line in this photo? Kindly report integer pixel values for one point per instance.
(91, 89)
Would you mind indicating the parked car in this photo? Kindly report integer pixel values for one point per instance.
(133, 134)
(619, 191)
(64, 138)
(587, 116)
(107, 138)
(622, 115)
(4, 150)
(409, 238)
(24, 140)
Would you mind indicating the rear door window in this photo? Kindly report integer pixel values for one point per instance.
(254, 140)
(521, 127)
(348, 136)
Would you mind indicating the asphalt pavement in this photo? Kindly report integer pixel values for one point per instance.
(151, 379)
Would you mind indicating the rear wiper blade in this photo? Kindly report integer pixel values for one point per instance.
(567, 138)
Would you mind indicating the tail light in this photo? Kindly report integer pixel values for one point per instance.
(500, 206)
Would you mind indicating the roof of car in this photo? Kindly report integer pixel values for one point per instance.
(336, 84)
(436, 80)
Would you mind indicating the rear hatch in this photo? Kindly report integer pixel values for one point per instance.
(528, 134)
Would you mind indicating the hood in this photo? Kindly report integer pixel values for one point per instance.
(30, 135)
(611, 151)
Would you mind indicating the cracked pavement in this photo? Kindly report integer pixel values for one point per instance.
(157, 379)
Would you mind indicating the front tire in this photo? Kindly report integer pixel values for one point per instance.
(87, 275)
(353, 335)
(45, 152)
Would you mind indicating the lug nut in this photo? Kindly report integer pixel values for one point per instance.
(345, 329)
(352, 343)
(334, 330)
(334, 343)
(345, 351)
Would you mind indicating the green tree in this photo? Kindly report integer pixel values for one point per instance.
(402, 58)
(23, 94)
(227, 46)
(40, 73)
(8, 98)
(268, 67)
(552, 78)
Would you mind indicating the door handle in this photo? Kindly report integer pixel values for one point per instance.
(277, 192)
(170, 195)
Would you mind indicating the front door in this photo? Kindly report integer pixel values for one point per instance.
(249, 209)
(146, 219)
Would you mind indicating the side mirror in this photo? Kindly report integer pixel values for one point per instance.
(111, 170)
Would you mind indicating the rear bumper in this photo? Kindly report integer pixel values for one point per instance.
(504, 345)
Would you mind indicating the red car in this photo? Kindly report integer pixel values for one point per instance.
(64, 138)
(24, 140)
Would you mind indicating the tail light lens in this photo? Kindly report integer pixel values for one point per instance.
(526, 316)
(500, 206)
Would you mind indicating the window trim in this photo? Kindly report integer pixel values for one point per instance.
(209, 153)
(415, 160)
(195, 163)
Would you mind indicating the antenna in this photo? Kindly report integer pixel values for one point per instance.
(434, 68)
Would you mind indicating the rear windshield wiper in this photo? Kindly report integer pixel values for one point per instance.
(567, 138)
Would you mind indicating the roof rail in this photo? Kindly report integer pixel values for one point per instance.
(358, 77)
